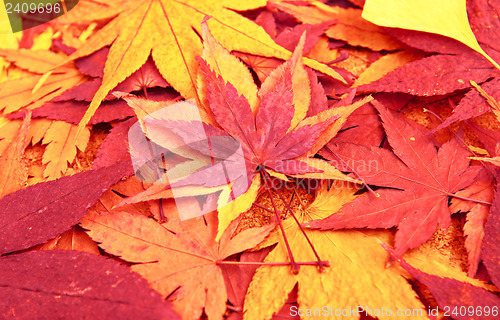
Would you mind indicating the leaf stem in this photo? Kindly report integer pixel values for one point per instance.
(250, 263)
(262, 207)
(468, 199)
(376, 194)
(320, 263)
(295, 266)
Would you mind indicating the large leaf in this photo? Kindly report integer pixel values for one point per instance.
(456, 64)
(421, 180)
(168, 30)
(357, 275)
(175, 257)
(447, 18)
(70, 284)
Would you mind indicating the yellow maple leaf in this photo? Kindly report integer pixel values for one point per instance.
(46, 75)
(60, 149)
(357, 276)
(447, 18)
(168, 30)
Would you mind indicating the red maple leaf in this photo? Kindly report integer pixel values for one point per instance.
(420, 177)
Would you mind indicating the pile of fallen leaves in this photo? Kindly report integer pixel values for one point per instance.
(359, 146)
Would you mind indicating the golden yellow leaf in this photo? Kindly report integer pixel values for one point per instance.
(60, 148)
(167, 30)
(43, 41)
(37, 130)
(18, 93)
(357, 275)
(447, 18)
(228, 211)
(8, 132)
(7, 41)
(229, 67)
(36, 61)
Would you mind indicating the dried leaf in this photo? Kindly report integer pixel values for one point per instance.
(184, 260)
(69, 284)
(60, 150)
(136, 30)
(426, 16)
(14, 172)
(357, 262)
(421, 180)
(38, 213)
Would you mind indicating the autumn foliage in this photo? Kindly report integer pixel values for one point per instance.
(252, 160)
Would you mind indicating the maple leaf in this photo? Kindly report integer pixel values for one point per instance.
(174, 255)
(358, 269)
(451, 294)
(475, 103)
(480, 189)
(421, 180)
(168, 30)
(456, 64)
(60, 149)
(271, 126)
(75, 283)
(349, 26)
(38, 213)
(34, 89)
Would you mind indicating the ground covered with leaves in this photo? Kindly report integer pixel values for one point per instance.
(258, 160)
